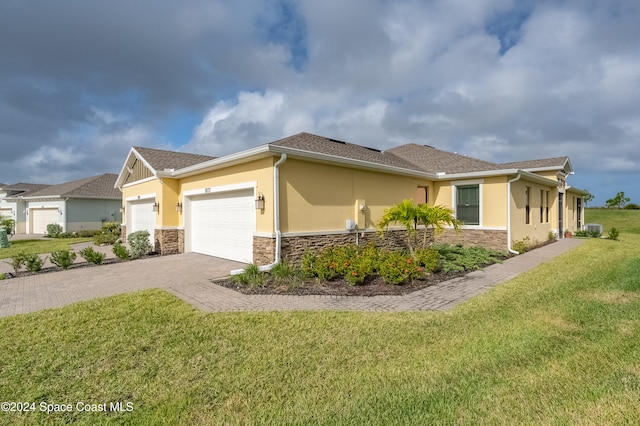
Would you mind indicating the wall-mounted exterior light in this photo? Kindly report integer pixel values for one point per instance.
(260, 202)
(156, 207)
(179, 207)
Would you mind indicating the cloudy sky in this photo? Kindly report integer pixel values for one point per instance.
(502, 80)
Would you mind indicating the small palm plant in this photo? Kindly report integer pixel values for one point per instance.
(410, 215)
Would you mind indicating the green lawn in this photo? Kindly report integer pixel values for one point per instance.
(557, 345)
(40, 246)
(624, 220)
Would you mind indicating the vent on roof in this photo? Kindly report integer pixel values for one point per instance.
(594, 229)
(337, 141)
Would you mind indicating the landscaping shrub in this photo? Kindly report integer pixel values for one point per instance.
(397, 267)
(121, 251)
(251, 276)
(353, 263)
(33, 262)
(459, 259)
(632, 206)
(17, 261)
(92, 256)
(139, 243)
(105, 238)
(63, 258)
(8, 224)
(54, 230)
(614, 234)
(522, 246)
(429, 259)
(285, 274)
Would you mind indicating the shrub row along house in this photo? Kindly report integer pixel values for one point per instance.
(307, 191)
(83, 204)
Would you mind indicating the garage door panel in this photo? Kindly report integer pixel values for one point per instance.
(143, 218)
(222, 225)
(40, 218)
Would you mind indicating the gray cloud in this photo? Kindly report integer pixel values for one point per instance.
(80, 82)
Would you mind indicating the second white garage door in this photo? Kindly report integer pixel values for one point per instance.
(142, 218)
(40, 218)
(223, 224)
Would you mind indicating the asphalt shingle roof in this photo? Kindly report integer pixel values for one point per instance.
(101, 186)
(535, 164)
(434, 160)
(321, 145)
(22, 188)
(160, 159)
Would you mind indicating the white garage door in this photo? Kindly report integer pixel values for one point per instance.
(223, 224)
(142, 218)
(40, 218)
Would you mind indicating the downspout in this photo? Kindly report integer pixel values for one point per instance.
(512, 251)
(276, 217)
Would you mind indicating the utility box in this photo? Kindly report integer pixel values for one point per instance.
(4, 240)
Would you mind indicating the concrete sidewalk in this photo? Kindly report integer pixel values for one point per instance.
(187, 276)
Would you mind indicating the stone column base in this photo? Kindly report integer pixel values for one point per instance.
(169, 241)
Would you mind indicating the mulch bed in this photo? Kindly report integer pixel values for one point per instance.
(372, 287)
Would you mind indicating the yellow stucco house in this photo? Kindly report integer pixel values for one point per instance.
(306, 191)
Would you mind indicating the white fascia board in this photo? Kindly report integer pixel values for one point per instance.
(576, 190)
(42, 197)
(334, 159)
(149, 179)
(492, 173)
(217, 163)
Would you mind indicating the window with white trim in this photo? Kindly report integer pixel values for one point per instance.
(468, 204)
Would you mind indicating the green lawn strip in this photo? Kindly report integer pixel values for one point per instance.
(40, 246)
(627, 221)
(559, 344)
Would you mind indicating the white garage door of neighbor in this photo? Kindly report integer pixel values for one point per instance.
(40, 218)
(223, 224)
(143, 218)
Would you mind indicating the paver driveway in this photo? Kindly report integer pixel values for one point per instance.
(187, 276)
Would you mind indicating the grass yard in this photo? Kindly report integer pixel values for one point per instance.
(627, 221)
(40, 246)
(557, 345)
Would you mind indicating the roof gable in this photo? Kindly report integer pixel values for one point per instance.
(101, 186)
(143, 163)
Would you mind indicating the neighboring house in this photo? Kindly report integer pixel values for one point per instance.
(13, 206)
(307, 191)
(83, 204)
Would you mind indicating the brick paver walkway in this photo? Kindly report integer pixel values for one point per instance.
(187, 276)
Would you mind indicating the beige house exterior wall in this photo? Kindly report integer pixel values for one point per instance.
(536, 230)
(259, 171)
(151, 186)
(319, 197)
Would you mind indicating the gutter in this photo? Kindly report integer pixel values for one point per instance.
(512, 251)
(276, 217)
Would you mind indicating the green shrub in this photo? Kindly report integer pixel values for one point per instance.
(398, 267)
(429, 259)
(111, 227)
(92, 256)
(105, 238)
(459, 259)
(614, 234)
(251, 276)
(287, 275)
(33, 262)
(8, 224)
(63, 258)
(632, 206)
(17, 261)
(139, 243)
(552, 236)
(54, 230)
(121, 251)
(522, 246)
